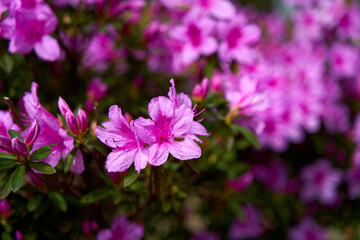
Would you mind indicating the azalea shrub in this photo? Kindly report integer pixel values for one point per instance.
(182, 119)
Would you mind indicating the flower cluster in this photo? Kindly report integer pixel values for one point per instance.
(27, 26)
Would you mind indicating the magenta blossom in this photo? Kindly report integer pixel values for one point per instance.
(32, 27)
(306, 230)
(50, 131)
(171, 128)
(195, 35)
(120, 135)
(320, 182)
(121, 228)
(251, 227)
(241, 183)
(237, 38)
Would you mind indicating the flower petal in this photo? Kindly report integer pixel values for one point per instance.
(48, 49)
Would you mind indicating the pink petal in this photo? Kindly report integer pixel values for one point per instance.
(119, 161)
(19, 45)
(189, 55)
(251, 34)
(184, 149)
(160, 107)
(223, 10)
(48, 48)
(158, 154)
(209, 47)
(78, 164)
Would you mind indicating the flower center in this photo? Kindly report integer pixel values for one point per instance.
(164, 129)
(194, 33)
(233, 37)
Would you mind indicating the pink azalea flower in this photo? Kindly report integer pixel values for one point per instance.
(241, 183)
(349, 24)
(32, 29)
(249, 228)
(320, 182)
(195, 34)
(237, 38)
(120, 135)
(344, 60)
(171, 128)
(50, 131)
(121, 228)
(100, 52)
(306, 230)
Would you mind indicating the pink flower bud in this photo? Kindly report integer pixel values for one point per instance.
(96, 89)
(89, 105)
(200, 90)
(33, 133)
(197, 92)
(18, 235)
(5, 143)
(216, 83)
(63, 106)
(82, 120)
(242, 182)
(5, 209)
(18, 146)
(72, 122)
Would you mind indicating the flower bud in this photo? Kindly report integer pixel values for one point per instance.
(63, 106)
(200, 90)
(5, 209)
(241, 183)
(18, 146)
(82, 120)
(5, 143)
(33, 133)
(18, 235)
(96, 89)
(72, 122)
(216, 83)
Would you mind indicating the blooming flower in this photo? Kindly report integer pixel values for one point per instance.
(120, 135)
(195, 35)
(171, 129)
(250, 227)
(237, 37)
(50, 131)
(320, 182)
(121, 228)
(32, 27)
(307, 229)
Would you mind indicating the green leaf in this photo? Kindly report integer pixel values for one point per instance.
(97, 195)
(166, 206)
(59, 200)
(7, 156)
(42, 167)
(69, 160)
(7, 63)
(34, 203)
(159, 181)
(12, 133)
(6, 164)
(130, 177)
(5, 236)
(16, 178)
(5, 189)
(117, 196)
(193, 165)
(248, 135)
(41, 153)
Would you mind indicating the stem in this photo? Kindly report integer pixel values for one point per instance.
(14, 113)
